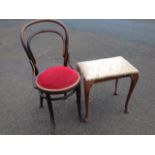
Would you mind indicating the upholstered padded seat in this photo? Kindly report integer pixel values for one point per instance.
(106, 68)
(57, 78)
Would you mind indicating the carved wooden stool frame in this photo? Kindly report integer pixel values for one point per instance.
(88, 84)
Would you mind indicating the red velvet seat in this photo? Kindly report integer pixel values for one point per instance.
(57, 78)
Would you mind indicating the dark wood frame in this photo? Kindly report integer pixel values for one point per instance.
(26, 42)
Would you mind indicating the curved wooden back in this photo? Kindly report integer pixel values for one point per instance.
(26, 41)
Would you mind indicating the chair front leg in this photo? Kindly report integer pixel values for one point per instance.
(50, 108)
(78, 98)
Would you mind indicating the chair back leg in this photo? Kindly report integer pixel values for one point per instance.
(41, 100)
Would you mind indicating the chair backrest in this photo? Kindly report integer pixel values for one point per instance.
(26, 40)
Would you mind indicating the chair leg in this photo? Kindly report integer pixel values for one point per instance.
(134, 79)
(116, 84)
(78, 98)
(41, 101)
(50, 108)
(87, 86)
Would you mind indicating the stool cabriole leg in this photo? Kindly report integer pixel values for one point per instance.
(116, 84)
(134, 79)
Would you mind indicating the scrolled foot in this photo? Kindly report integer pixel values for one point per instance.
(126, 111)
(85, 120)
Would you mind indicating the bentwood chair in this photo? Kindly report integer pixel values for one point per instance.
(55, 82)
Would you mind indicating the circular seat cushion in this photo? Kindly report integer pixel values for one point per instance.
(57, 78)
